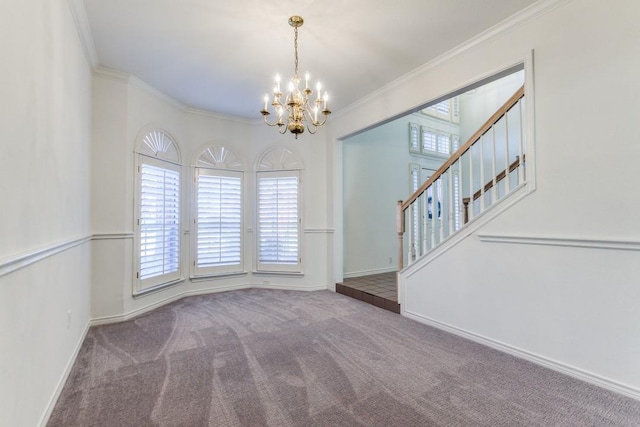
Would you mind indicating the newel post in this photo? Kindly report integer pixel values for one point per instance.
(400, 231)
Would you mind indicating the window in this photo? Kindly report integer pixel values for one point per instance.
(430, 141)
(414, 138)
(217, 238)
(446, 110)
(278, 218)
(438, 142)
(158, 205)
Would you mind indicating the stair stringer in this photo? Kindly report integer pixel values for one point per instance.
(468, 230)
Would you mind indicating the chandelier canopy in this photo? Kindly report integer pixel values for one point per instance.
(298, 107)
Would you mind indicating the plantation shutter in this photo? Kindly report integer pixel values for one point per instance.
(278, 221)
(218, 221)
(159, 221)
(429, 140)
(444, 144)
(414, 138)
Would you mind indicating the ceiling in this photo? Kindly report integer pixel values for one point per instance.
(222, 56)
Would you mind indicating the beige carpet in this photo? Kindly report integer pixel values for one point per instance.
(285, 358)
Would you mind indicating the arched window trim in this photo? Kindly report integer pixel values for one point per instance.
(279, 211)
(158, 159)
(159, 144)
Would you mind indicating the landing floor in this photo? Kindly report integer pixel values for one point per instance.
(377, 289)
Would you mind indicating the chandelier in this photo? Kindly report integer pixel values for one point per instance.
(298, 107)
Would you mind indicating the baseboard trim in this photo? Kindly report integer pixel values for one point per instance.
(554, 365)
(44, 419)
(353, 274)
(105, 320)
(574, 242)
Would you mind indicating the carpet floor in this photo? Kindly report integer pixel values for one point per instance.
(283, 358)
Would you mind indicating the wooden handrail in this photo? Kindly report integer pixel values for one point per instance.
(456, 156)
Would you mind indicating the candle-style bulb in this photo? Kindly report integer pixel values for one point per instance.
(266, 101)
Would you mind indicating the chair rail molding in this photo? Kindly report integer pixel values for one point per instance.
(9, 265)
(574, 242)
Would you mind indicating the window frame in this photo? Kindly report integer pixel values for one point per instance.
(220, 270)
(266, 267)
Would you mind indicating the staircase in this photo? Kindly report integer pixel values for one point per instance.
(486, 169)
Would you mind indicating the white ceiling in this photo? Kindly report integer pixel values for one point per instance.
(222, 56)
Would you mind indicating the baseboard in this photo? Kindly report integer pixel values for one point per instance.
(44, 419)
(105, 320)
(353, 274)
(563, 368)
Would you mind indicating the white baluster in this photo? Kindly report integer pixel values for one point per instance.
(411, 244)
(521, 176)
(450, 195)
(482, 180)
(507, 179)
(494, 188)
(471, 210)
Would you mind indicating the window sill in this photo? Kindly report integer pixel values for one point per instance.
(278, 273)
(157, 288)
(214, 276)
(430, 154)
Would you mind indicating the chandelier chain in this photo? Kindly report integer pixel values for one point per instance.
(295, 47)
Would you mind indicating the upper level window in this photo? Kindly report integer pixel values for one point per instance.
(279, 217)
(430, 141)
(158, 205)
(448, 110)
(218, 214)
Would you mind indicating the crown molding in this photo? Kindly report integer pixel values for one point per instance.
(135, 81)
(111, 74)
(213, 115)
(79, 14)
(518, 19)
(151, 90)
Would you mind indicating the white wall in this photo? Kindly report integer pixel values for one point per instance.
(478, 105)
(574, 308)
(124, 107)
(45, 158)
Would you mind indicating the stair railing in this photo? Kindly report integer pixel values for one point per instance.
(486, 168)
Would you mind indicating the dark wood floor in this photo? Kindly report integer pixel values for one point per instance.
(377, 289)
